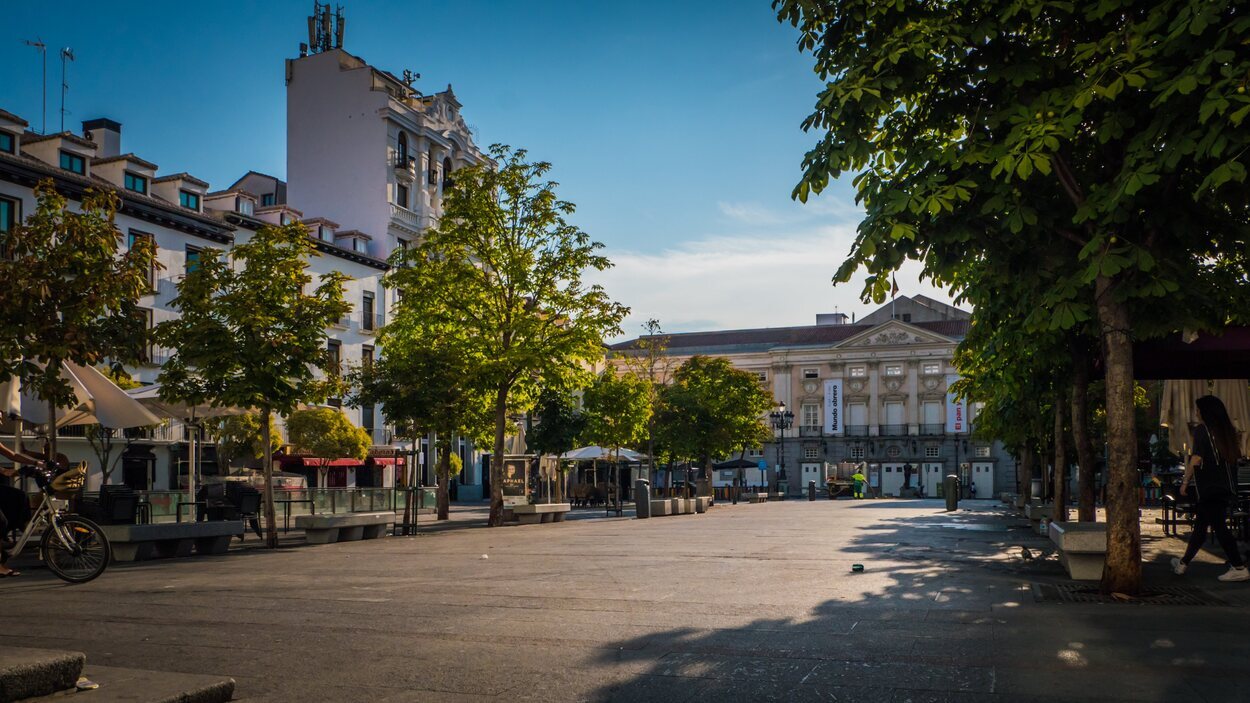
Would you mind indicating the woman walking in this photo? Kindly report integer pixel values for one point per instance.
(1215, 451)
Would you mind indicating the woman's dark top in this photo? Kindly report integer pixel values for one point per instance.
(1213, 477)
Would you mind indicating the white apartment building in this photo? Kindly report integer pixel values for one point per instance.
(875, 391)
(183, 219)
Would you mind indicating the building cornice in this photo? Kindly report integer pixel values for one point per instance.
(253, 224)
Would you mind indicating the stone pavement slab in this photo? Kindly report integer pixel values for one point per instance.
(748, 602)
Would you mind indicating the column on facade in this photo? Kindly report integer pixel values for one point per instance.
(872, 370)
(421, 145)
(912, 388)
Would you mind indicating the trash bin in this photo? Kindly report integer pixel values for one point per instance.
(642, 498)
(950, 488)
(811, 490)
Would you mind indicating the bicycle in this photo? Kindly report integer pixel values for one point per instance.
(73, 547)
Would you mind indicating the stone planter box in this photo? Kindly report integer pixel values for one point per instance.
(1082, 548)
(702, 503)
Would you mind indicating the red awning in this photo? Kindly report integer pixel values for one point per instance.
(387, 461)
(316, 463)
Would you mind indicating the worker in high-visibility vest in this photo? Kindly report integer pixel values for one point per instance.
(860, 479)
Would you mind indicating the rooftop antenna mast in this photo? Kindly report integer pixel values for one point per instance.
(43, 50)
(66, 53)
(325, 29)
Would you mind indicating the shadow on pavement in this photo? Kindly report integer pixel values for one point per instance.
(944, 611)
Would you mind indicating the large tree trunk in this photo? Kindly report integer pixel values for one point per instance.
(271, 520)
(1059, 513)
(444, 472)
(496, 461)
(1122, 573)
(1024, 474)
(1085, 506)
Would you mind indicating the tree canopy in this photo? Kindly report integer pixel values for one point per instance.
(241, 437)
(249, 335)
(1107, 138)
(326, 434)
(617, 409)
(503, 272)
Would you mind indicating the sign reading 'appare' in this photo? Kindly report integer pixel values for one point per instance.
(833, 407)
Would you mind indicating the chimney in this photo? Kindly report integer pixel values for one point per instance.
(831, 318)
(106, 134)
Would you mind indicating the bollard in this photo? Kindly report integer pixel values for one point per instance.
(950, 487)
(811, 490)
(642, 498)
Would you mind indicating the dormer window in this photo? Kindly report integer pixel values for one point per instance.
(245, 206)
(136, 183)
(74, 163)
(267, 200)
(189, 200)
(359, 245)
(285, 219)
(324, 233)
(7, 143)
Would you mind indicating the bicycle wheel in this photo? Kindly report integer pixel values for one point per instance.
(84, 558)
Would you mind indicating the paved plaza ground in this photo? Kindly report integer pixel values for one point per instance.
(747, 602)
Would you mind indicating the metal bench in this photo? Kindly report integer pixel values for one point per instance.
(171, 539)
(348, 527)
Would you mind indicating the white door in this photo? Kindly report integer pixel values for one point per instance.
(983, 477)
(932, 474)
(811, 472)
(857, 414)
(894, 414)
(932, 413)
(891, 479)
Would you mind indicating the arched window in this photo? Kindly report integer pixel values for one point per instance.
(446, 173)
(402, 149)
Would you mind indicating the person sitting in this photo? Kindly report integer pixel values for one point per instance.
(14, 509)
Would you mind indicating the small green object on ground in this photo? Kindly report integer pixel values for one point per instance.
(857, 568)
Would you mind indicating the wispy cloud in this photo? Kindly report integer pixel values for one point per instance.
(776, 276)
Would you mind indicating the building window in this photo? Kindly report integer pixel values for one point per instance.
(73, 162)
(334, 355)
(905, 317)
(366, 421)
(9, 217)
(324, 233)
(245, 206)
(446, 174)
(366, 357)
(146, 322)
(931, 368)
(193, 260)
(856, 452)
(7, 143)
(755, 453)
(401, 195)
(137, 183)
(811, 373)
(894, 370)
(402, 150)
(810, 415)
(268, 200)
(366, 311)
(932, 451)
(761, 376)
(286, 218)
(134, 237)
(982, 452)
(189, 200)
(893, 452)
(811, 452)
(857, 372)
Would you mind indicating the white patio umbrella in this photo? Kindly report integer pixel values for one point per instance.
(1177, 411)
(97, 400)
(597, 453)
(150, 397)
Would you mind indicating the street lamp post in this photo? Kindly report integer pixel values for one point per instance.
(782, 420)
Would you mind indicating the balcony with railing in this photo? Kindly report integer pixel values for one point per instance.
(810, 430)
(892, 431)
(406, 166)
(932, 429)
(370, 323)
(407, 219)
(857, 430)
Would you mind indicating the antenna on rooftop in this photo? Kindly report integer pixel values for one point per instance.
(325, 29)
(66, 53)
(43, 49)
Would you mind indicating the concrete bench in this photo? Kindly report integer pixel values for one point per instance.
(347, 527)
(661, 507)
(171, 539)
(1082, 548)
(702, 503)
(540, 512)
(757, 497)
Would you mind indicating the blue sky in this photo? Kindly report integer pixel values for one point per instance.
(673, 125)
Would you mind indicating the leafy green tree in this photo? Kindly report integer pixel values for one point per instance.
(70, 293)
(618, 411)
(649, 359)
(1110, 132)
(326, 434)
(241, 437)
(250, 336)
(711, 410)
(558, 428)
(502, 274)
